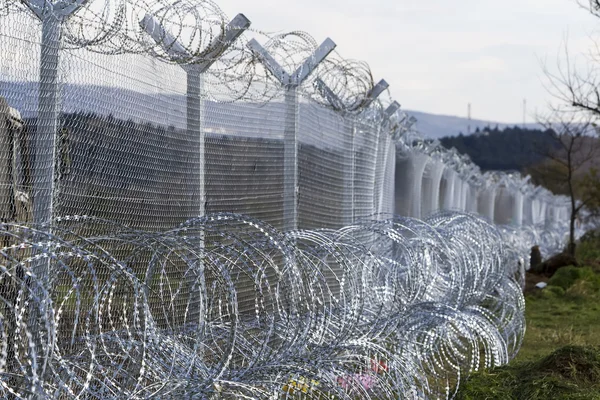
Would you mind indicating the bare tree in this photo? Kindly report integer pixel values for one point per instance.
(572, 168)
(569, 161)
(575, 86)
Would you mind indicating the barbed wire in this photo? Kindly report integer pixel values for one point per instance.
(226, 305)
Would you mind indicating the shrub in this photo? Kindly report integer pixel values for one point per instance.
(570, 372)
(556, 291)
(567, 276)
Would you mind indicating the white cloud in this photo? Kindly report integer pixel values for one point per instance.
(438, 55)
(484, 64)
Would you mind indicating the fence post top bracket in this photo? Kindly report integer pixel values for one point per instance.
(299, 76)
(60, 10)
(326, 92)
(269, 62)
(392, 109)
(311, 63)
(176, 51)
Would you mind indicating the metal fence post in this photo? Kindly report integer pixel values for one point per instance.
(290, 139)
(194, 69)
(487, 198)
(52, 16)
(290, 162)
(449, 189)
(518, 208)
(373, 94)
(44, 142)
(389, 112)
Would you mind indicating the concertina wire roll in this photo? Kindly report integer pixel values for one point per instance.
(226, 306)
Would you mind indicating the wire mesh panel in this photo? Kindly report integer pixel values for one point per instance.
(244, 159)
(472, 195)
(381, 178)
(321, 164)
(449, 190)
(19, 68)
(432, 177)
(187, 216)
(388, 181)
(365, 155)
(503, 207)
(402, 185)
(123, 152)
(409, 171)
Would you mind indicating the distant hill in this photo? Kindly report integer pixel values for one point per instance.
(507, 149)
(168, 109)
(239, 119)
(435, 126)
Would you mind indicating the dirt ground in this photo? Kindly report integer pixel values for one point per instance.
(531, 280)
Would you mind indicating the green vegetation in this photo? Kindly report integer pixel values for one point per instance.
(588, 250)
(567, 313)
(560, 356)
(567, 277)
(508, 149)
(571, 372)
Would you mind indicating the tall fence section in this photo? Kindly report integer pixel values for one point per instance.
(194, 208)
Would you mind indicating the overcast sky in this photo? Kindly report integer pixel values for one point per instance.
(440, 55)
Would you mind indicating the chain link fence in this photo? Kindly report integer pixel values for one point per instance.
(134, 135)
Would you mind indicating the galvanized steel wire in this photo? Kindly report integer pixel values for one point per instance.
(141, 299)
(226, 306)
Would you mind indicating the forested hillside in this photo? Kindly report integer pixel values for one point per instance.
(511, 148)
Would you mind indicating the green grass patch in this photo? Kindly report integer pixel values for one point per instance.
(567, 312)
(588, 250)
(570, 372)
(560, 356)
(566, 277)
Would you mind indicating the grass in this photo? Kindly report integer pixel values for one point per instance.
(567, 312)
(560, 356)
(588, 252)
(569, 373)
